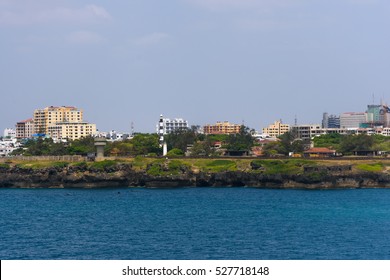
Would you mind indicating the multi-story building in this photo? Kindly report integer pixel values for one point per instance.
(276, 129)
(8, 145)
(330, 121)
(43, 118)
(352, 119)
(376, 116)
(308, 131)
(25, 129)
(222, 128)
(65, 122)
(71, 130)
(170, 125)
(9, 133)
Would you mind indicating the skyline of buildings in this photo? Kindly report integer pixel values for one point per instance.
(62, 122)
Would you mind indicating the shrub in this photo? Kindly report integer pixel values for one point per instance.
(175, 153)
(156, 168)
(101, 165)
(163, 167)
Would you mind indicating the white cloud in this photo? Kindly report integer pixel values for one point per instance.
(84, 37)
(151, 39)
(20, 15)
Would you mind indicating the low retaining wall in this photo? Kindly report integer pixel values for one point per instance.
(44, 158)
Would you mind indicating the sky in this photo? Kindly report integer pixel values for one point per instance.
(242, 61)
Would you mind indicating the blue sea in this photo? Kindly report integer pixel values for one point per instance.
(194, 223)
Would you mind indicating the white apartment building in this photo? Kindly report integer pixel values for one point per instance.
(8, 145)
(170, 125)
(9, 133)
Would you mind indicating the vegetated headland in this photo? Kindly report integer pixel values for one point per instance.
(197, 172)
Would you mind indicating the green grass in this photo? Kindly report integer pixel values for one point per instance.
(80, 164)
(220, 165)
(141, 163)
(60, 164)
(373, 167)
(4, 165)
(36, 164)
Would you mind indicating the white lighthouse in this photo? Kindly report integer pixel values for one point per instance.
(161, 140)
(160, 131)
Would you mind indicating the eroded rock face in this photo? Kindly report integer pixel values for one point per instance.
(125, 176)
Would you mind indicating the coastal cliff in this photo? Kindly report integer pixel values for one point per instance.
(165, 174)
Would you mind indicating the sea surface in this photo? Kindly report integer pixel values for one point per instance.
(194, 223)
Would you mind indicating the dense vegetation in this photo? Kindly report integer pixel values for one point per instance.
(190, 142)
(288, 143)
(348, 144)
(144, 144)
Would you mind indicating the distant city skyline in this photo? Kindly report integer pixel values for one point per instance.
(201, 60)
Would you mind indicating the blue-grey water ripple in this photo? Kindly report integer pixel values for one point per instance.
(194, 223)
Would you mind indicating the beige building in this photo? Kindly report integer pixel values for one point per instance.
(276, 129)
(25, 129)
(44, 118)
(71, 130)
(222, 128)
(65, 122)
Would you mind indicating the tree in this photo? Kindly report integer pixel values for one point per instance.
(272, 148)
(38, 147)
(289, 143)
(331, 140)
(144, 144)
(203, 148)
(353, 143)
(242, 141)
(81, 146)
(181, 138)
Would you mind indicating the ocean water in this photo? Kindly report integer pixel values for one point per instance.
(194, 223)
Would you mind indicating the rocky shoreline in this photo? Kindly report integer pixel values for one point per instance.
(123, 175)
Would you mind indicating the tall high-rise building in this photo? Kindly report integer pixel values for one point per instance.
(43, 118)
(330, 121)
(65, 122)
(352, 119)
(377, 115)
